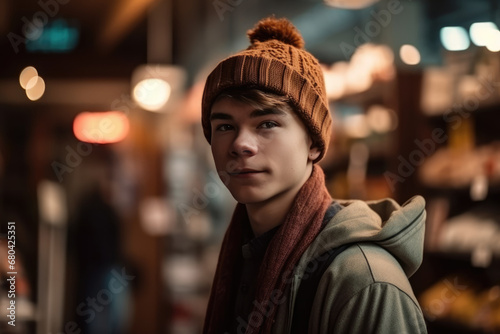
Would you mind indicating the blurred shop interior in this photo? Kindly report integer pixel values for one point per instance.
(105, 172)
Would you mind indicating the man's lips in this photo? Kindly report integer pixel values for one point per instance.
(244, 171)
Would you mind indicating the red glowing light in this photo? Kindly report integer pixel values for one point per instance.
(101, 127)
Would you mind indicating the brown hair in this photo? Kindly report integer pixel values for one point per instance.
(256, 98)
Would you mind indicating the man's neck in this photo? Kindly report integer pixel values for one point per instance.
(265, 216)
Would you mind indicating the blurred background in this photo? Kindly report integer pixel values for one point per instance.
(109, 182)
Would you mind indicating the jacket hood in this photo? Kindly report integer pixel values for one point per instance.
(397, 228)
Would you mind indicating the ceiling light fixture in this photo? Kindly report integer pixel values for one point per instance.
(155, 86)
(158, 85)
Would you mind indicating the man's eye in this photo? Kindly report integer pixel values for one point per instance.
(223, 127)
(268, 125)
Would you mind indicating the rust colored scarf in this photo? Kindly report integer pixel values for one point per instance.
(301, 225)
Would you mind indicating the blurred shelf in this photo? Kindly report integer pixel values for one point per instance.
(459, 258)
(492, 107)
(451, 327)
(493, 189)
(378, 93)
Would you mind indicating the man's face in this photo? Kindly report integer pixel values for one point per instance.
(260, 154)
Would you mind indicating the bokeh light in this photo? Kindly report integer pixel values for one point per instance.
(35, 88)
(101, 127)
(409, 54)
(152, 94)
(26, 75)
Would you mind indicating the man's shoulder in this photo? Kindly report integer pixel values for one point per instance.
(362, 265)
(362, 278)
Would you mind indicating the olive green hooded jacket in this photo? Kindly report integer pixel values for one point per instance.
(365, 289)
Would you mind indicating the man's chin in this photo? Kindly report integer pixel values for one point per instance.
(248, 198)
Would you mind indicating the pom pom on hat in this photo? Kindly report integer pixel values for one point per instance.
(279, 29)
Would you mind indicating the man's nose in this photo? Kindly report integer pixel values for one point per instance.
(245, 144)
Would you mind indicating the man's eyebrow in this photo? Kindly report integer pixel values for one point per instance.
(220, 115)
(268, 111)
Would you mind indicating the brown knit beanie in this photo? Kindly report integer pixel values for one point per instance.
(275, 62)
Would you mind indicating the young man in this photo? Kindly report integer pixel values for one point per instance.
(265, 114)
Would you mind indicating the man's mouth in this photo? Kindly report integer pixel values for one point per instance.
(244, 171)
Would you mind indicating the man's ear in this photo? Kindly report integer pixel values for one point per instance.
(314, 153)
